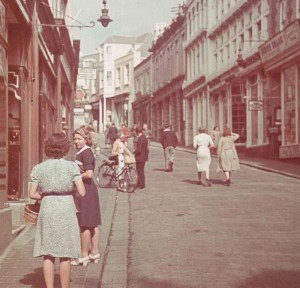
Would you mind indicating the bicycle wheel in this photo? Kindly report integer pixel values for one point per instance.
(130, 179)
(105, 176)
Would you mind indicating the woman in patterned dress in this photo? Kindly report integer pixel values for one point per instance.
(89, 207)
(57, 231)
(228, 159)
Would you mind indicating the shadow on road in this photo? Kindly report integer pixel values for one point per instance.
(36, 279)
(194, 182)
(151, 283)
(274, 279)
(159, 169)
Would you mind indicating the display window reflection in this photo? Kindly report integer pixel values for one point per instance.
(289, 90)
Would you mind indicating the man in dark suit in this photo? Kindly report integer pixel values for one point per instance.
(169, 142)
(141, 156)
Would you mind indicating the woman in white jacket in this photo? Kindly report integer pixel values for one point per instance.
(202, 142)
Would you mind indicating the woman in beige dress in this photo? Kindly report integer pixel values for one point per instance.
(228, 159)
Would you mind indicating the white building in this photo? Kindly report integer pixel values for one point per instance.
(112, 49)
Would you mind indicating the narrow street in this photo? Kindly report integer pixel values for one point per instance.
(177, 234)
(185, 235)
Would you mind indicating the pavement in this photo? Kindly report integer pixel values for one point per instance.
(18, 268)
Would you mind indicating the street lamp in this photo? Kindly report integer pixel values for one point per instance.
(104, 18)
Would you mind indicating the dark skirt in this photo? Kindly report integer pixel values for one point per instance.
(89, 206)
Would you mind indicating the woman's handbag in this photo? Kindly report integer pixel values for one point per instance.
(129, 159)
(31, 212)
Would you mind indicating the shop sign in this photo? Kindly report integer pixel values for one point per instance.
(292, 151)
(87, 73)
(255, 105)
(289, 37)
(273, 130)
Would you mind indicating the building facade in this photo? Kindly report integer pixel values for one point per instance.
(168, 73)
(38, 67)
(142, 106)
(125, 52)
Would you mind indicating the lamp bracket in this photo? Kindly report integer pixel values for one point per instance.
(92, 24)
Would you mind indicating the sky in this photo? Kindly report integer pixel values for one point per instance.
(130, 18)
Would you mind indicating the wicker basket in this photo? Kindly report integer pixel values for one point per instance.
(31, 212)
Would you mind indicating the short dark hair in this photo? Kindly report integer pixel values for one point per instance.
(138, 130)
(57, 145)
(202, 129)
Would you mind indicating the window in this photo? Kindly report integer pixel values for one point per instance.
(258, 10)
(234, 50)
(118, 77)
(250, 35)
(258, 29)
(109, 78)
(241, 41)
(126, 74)
(282, 13)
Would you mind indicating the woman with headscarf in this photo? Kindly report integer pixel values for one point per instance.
(89, 216)
(228, 159)
(202, 142)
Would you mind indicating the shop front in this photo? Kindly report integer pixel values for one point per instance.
(5, 211)
(281, 59)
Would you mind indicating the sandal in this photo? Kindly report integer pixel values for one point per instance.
(81, 261)
(94, 257)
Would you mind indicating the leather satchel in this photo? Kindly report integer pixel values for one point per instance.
(129, 159)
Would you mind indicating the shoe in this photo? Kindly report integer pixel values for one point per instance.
(140, 188)
(121, 189)
(84, 261)
(208, 183)
(171, 167)
(94, 257)
(167, 170)
(228, 181)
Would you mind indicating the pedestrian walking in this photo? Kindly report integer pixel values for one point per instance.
(112, 133)
(228, 160)
(134, 135)
(95, 139)
(215, 135)
(202, 142)
(126, 133)
(119, 150)
(107, 140)
(89, 216)
(147, 133)
(141, 157)
(169, 142)
(56, 235)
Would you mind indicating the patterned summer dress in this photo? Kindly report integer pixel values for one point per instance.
(57, 230)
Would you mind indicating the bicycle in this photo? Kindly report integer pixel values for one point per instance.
(108, 177)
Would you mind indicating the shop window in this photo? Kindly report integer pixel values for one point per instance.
(254, 114)
(3, 143)
(289, 87)
(298, 100)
